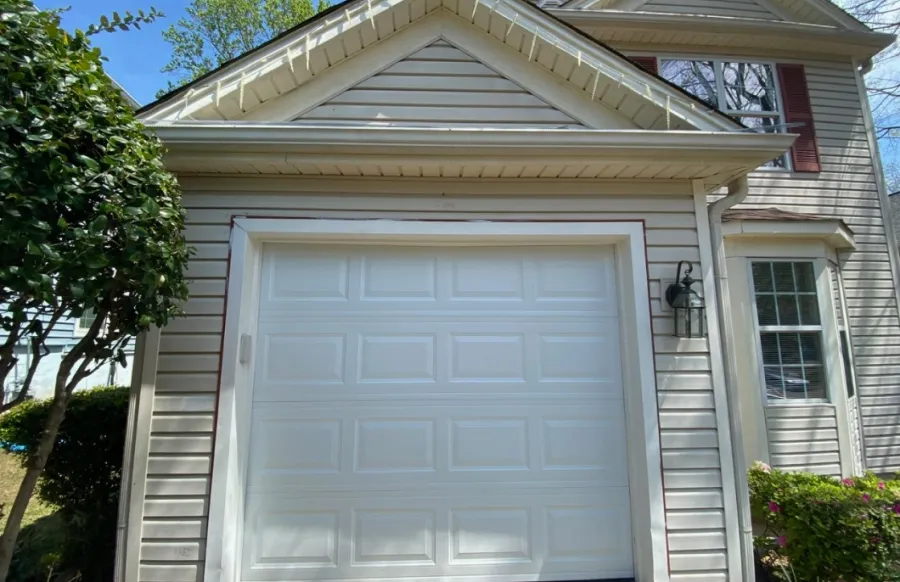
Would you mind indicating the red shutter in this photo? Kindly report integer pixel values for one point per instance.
(646, 63)
(795, 96)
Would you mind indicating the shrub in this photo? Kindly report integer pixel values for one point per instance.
(81, 478)
(828, 530)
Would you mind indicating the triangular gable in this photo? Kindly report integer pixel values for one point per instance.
(801, 11)
(439, 85)
(574, 69)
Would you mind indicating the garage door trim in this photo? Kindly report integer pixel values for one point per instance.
(236, 374)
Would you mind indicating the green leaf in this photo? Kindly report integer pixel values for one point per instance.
(99, 224)
(91, 163)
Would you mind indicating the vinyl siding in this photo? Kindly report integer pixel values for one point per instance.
(439, 85)
(846, 190)
(855, 435)
(732, 8)
(804, 438)
(176, 503)
(62, 334)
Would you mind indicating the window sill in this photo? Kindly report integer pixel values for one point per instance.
(790, 403)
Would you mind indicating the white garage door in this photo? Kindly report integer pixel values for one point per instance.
(437, 413)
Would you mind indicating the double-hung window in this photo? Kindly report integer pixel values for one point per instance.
(745, 90)
(789, 325)
(84, 323)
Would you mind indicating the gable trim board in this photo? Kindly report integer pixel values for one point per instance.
(756, 9)
(642, 415)
(592, 68)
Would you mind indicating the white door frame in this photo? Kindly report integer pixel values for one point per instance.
(224, 544)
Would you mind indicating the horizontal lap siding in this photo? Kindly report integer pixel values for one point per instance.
(440, 85)
(804, 438)
(181, 441)
(732, 8)
(846, 189)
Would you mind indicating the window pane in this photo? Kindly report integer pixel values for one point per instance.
(774, 384)
(848, 371)
(815, 382)
(784, 276)
(789, 347)
(87, 319)
(765, 310)
(770, 351)
(696, 77)
(806, 278)
(749, 87)
(794, 382)
(762, 277)
(787, 310)
(811, 348)
(809, 309)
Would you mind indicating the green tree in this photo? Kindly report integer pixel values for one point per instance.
(216, 31)
(91, 218)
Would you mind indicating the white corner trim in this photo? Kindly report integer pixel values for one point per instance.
(143, 387)
(717, 366)
(832, 232)
(232, 425)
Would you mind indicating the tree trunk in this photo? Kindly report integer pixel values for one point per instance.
(33, 469)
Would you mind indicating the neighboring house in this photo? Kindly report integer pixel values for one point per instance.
(428, 337)
(65, 335)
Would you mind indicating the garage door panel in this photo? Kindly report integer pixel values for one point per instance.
(358, 278)
(311, 361)
(436, 445)
(540, 535)
(436, 413)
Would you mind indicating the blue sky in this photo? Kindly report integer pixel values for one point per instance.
(135, 57)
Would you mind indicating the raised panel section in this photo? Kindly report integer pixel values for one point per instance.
(398, 278)
(486, 358)
(490, 535)
(294, 446)
(295, 275)
(582, 444)
(296, 359)
(573, 533)
(573, 279)
(489, 445)
(488, 279)
(296, 539)
(397, 358)
(577, 358)
(394, 445)
(392, 537)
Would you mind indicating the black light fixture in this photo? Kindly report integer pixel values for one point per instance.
(688, 306)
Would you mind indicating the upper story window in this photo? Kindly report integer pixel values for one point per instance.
(84, 323)
(746, 90)
(790, 330)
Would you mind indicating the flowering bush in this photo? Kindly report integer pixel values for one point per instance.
(825, 529)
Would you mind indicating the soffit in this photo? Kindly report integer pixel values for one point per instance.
(536, 37)
(718, 34)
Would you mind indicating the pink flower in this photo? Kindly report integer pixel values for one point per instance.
(759, 465)
(773, 507)
(866, 497)
(781, 541)
(848, 482)
(897, 508)
(881, 485)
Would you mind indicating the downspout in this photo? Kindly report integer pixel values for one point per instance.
(737, 192)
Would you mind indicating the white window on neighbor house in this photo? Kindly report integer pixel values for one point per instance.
(84, 323)
(789, 330)
(745, 90)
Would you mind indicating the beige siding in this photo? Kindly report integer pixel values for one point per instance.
(846, 189)
(804, 438)
(440, 85)
(733, 8)
(177, 497)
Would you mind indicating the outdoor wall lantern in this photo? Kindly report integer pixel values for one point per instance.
(688, 306)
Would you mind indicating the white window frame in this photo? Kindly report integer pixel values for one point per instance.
(718, 69)
(760, 329)
(224, 549)
(81, 329)
(827, 323)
